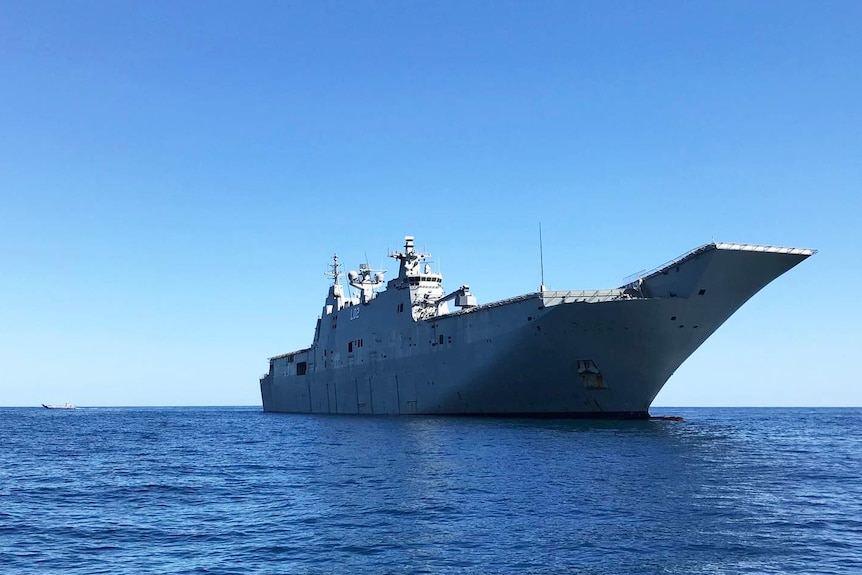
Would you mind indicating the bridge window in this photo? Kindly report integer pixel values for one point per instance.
(301, 368)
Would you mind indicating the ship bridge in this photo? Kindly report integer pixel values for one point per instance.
(427, 296)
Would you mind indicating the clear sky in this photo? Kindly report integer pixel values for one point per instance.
(174, 177)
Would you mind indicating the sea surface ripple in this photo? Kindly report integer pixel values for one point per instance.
(234, 490)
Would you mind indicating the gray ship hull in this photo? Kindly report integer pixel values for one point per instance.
(601, 353)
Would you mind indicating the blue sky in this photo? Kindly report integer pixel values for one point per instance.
(174, 177)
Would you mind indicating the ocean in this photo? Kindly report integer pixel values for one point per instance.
(234, 490)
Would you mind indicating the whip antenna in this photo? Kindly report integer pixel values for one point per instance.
(541, 259)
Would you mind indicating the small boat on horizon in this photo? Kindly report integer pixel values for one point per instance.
(66, 405)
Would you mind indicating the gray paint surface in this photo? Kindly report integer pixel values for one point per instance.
(578, 353)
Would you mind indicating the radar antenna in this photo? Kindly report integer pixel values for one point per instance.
(409, 259)
(365, 280)
(334, 271)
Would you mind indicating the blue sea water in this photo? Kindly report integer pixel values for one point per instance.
(234, 490)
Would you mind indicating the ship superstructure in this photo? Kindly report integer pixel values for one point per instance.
(408, 347)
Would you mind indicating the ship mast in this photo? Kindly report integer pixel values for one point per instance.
(409, 259)
(335, 298)
(334, 272)
(541, 260)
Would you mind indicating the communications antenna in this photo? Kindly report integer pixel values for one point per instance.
(541, 259)
(334, 271)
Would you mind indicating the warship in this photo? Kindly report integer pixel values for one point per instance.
(404, 346)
